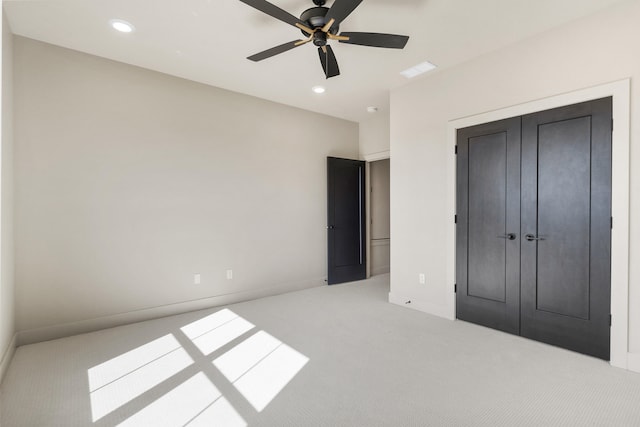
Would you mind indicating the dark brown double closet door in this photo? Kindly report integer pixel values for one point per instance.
(533, 235)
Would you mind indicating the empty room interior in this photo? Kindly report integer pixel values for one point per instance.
(320, 213)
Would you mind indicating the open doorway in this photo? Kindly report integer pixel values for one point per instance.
(379, 236)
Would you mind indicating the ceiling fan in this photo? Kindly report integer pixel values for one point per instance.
(320, 24)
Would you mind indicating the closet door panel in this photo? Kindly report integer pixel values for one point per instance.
(566, 213)
(488, 206)
(564, 176)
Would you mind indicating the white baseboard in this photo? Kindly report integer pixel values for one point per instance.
(7, 356)
(31, 336)
(633, 362)
(427, 307)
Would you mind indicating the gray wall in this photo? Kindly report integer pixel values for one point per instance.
(129, 182)
(6, 202)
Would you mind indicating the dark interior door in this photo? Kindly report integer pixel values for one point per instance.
(346, 220)
(543, 180)
(566, 226)
(488, 225)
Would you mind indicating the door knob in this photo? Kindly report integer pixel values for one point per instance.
(330, 227)
(531, 237)
(508, 236)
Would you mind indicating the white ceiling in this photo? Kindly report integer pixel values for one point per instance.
(208, 41)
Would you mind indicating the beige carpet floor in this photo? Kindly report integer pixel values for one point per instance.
(329, 356)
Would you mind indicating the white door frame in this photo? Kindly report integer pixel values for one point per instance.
(620, 91)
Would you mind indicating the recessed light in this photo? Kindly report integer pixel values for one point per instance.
(318, 89)
(121, 25)
(416, 70)
(372, 110)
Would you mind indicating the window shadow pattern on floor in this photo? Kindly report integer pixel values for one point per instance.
(188, 366)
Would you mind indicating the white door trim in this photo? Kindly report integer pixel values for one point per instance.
(620, 91)
(380, 155)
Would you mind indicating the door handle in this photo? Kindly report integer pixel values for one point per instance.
(330, 227)
(531, 237)
(508, 236)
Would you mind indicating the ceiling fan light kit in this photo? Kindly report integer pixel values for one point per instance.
(319, 25)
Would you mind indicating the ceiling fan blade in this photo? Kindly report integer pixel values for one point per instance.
(277, 50)
(341, 9)
(328, 61)
(392, 41)
(274, 11)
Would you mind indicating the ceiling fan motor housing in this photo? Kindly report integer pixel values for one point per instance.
(315, 18)
(320, 38)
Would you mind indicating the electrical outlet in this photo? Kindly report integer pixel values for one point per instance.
(422, 279)
(196, 279)
(229, 274)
